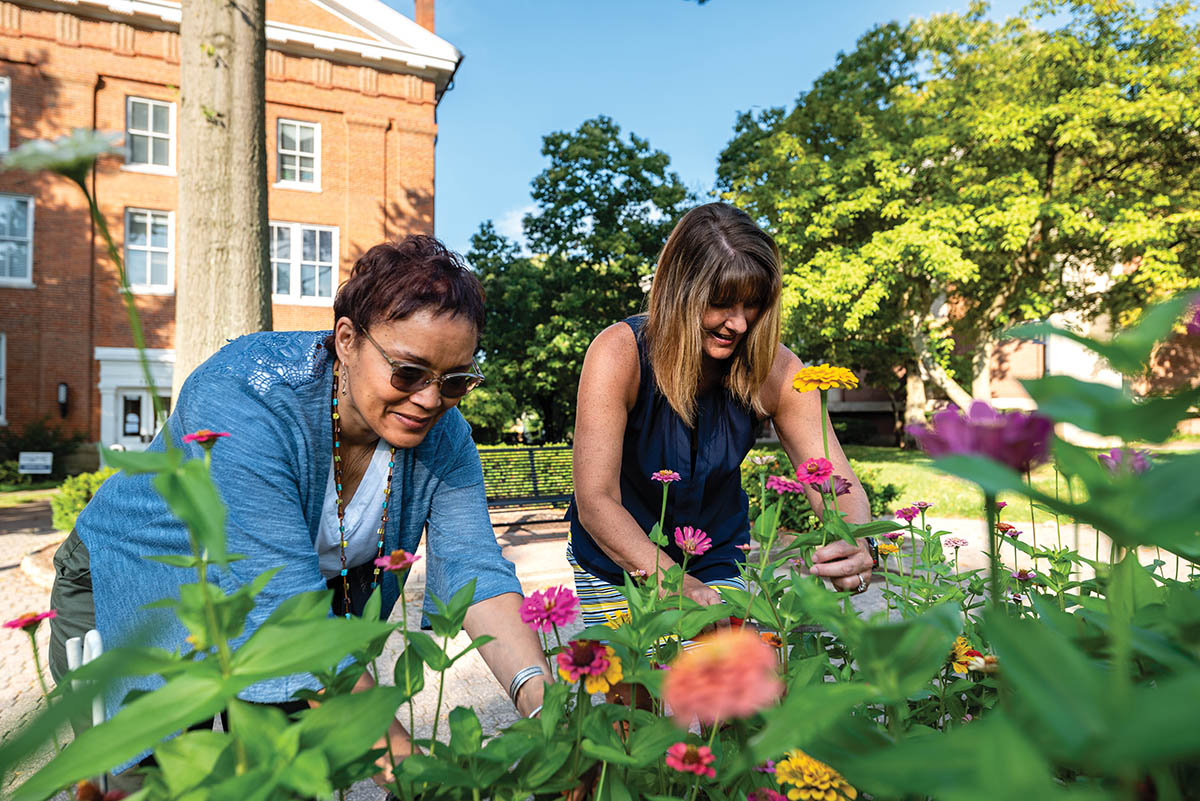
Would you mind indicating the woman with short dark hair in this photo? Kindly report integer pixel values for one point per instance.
(342, 447)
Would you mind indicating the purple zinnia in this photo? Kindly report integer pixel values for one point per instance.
(1125, 461)
(836, 485)
(908, 513)
(784, 486)
(1193, 325)
(1017, 439)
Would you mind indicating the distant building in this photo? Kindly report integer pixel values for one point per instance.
(352, 93)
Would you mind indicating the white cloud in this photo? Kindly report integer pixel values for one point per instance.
(508, 224)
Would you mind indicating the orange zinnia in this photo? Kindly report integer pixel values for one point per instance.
(730, 674)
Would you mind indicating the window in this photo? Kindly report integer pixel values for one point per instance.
(149, 134)
(304, 262)
(298, 154)
(3, 380)
(16, 240)
(148, 249)
(5, 112)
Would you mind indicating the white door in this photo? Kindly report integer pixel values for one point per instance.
(135, 418)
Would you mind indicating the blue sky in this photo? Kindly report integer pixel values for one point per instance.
(674, 72)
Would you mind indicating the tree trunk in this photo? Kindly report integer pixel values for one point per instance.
(931, 370)
(915, 400)
(223, 283)
(981, 370)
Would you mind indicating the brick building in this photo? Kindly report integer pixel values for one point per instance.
(351, 99)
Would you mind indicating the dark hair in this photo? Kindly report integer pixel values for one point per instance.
(394, 280)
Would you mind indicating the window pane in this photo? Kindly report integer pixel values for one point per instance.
(6, 251)
(283, 242)
(306, 139)
(158, 230)
(139, 115)
(308, 280)
(287, 167)
(13, 220)
(162, 151)
(283, 278)
(326, 252)
(323, 285)
(162, 120)
(135, 233)
(139, 149)
(306, 170)
(135, 266)
(310, 245)
(158, 269)
(287, 136)
(18, 266)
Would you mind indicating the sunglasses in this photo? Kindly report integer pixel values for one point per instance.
(414, 378)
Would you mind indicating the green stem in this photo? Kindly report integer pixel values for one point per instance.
(437, 712)
(412, 716)
(989, 501)
(37, 664)
(603, 774)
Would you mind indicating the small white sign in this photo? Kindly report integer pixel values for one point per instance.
(35, 462)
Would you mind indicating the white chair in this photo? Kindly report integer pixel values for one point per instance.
(80, 651)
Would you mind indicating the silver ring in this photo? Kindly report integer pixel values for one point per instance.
(862, 585)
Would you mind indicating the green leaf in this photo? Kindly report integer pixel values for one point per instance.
(308, 775)
(613, 788)
(430, 651)
(1109, 411)
(899, 658)
(193, 757)
(508, 747)
(280, 650)
(193, 498)
(135, 462)
(801, 718)
(466, 735)
(538, 767)
(409, 673)
(449, 622)
(657, 537)
(306, 606)
(345, 727)
(258, 727)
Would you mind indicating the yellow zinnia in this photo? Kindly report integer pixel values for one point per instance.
(811, 780)
(961, 654)
(610, 678)
(886, 548)
(822, 376)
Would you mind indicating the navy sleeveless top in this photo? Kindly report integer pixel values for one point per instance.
(708, 458)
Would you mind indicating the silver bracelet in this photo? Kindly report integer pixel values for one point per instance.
(518, 681)
(536, 711)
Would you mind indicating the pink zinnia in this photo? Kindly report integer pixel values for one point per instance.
(692, 541)
(582, 658)
(784, 486)
(1023, 575)
(30, 620)
(744, 548)
(397, 561)
(1193, 325)
(1000, 505)
(956, 542)
(908, 513)
(688, 758)
(545, 609)
(814, 471)
(894, 536)
(665, 476)
(1017, 439)
(205, 437)
(732, 674)
(765, 794)
(923, 505)
(1126, 461)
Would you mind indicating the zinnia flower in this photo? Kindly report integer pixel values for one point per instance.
(545, 609)
(923, 505)
(688, 758)
(1000, 505)
(397, 561)
(984, 664)
(836, 485)
(1008, 530)
(822, 376)
(597, 664)
(665, 476)
(1023, 575)
(766, 767)
(744, 547)
(908, 513)
(765, 794)
(763, 460)
(205, 438)
(894, 536)
(86, 791)
(731, 674)
(692, 541)
(887, 548)
(810, 779)
(1193, 325)
(961, 654)
(1126, 461)
(30, 620)
(614, 620)
(784, 486)
(1017, 439)
(814, 471)
(955, 542)
(771, 638)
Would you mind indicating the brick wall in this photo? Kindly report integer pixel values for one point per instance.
(377, 181)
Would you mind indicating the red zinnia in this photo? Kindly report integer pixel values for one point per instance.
(688, 758)
(814, 471)
(30, 620)
(397, 561)
(545, 609)
(205, 437)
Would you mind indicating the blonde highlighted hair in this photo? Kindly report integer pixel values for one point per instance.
(715, 256)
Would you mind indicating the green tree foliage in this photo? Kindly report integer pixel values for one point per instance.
(996, 170)
(604, 205)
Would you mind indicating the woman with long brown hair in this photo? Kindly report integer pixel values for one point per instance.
(683, 388)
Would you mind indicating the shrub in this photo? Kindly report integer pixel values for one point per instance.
(40, 436)
(797, 513)
(74, 494)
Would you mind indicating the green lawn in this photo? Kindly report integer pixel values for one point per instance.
(18, 495)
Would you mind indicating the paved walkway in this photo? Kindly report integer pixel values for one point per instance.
(534, 541)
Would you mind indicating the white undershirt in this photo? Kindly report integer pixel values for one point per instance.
(361, 519)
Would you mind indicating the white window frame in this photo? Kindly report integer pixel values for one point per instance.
(152, 289)
(3, 379)
(5, 112)
(156, 169)
(307, 186)
(292, 295)
(27, 281)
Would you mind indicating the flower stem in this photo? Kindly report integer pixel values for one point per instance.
(407, 664)
(989, 502)
(37, 664)
(437, 712)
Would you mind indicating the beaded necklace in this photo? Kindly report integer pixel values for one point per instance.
(341, 507)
